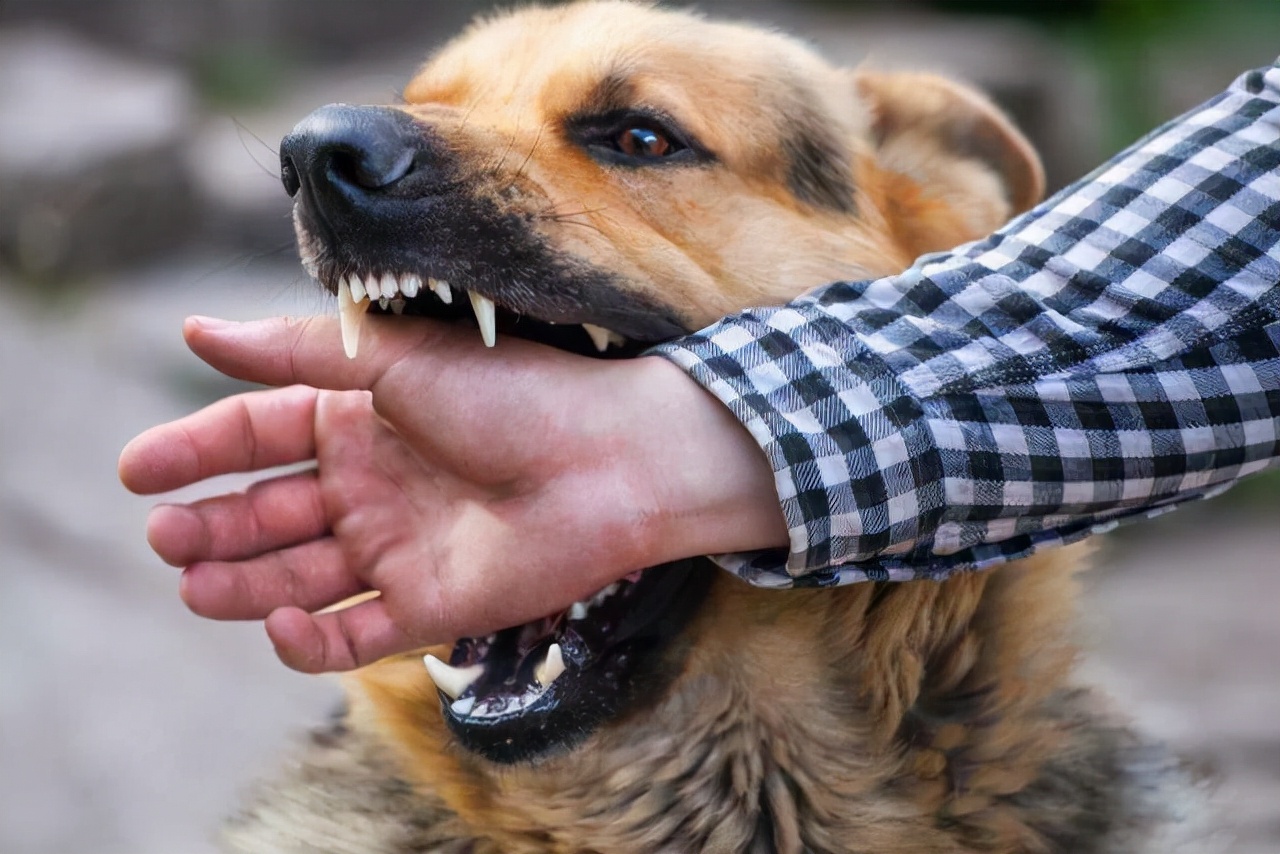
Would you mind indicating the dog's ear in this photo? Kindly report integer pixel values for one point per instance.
(956, 147)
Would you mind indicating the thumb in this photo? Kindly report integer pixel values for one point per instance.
(281, 351)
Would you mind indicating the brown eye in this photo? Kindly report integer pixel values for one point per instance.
(643, 142)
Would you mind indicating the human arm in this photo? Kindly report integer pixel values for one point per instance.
(1112, 352)
(475, 489)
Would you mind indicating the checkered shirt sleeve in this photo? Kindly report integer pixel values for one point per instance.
(1112, 352)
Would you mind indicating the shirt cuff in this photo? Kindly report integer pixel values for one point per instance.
(856, 469)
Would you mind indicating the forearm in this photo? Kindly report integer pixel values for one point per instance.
(1108, 353)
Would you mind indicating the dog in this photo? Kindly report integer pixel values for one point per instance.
(600, 177)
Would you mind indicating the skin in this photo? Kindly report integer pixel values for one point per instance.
(473, 488)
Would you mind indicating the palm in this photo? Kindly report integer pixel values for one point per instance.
(432, 513)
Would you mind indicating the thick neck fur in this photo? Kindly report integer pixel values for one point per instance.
(896, 718)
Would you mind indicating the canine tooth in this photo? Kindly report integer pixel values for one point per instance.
(371, 286)
(453, 681)
(351, 318)
(397, 306)
(389, 286)
(357, 287)
(578, 611)
(410, 286)
(486, 316)
(599, 336)
(442, 290)
(551, 667)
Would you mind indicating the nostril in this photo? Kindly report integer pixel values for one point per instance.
(370, 169)
(289, 176)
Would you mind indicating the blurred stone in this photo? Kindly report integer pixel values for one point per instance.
(91, 167)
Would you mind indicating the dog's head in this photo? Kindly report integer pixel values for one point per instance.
(604, 176)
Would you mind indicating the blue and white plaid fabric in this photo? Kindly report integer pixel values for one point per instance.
(1112, 352)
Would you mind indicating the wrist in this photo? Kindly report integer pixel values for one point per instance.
(709, 486)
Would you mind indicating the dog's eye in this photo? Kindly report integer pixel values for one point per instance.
(635, 138)
(645, 142)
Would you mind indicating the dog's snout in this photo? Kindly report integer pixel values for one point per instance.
(350, 151)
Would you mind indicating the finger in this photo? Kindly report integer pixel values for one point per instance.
(283, 350)
(247, 432)
(269, 515)
(338, 641)
(311, 576)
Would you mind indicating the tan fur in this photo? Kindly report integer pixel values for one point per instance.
(896, 718)
(709, 242)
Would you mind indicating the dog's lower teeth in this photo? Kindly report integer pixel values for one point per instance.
(463, 707)
(551, 667)
(605, 593)
(578, 611)
(384, 303)
(397, 306)
(453, 681)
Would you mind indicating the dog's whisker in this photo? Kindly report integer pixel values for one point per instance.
(511, 143)
(241, 132)
(537, 139)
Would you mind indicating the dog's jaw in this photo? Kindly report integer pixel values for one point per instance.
(545, 686)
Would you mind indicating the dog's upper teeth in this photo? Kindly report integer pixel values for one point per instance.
(551, 667)
(371, 287)
(390, 287)
(410, 285)
(602, 337)
(442, 290)
(453, 681)
(356, 286)
(486, 316)
(350, 317)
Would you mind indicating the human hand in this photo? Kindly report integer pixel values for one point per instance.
(473, 488)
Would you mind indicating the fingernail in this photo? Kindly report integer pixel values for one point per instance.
(211, 324)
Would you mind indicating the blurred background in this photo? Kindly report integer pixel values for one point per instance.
(138, 184)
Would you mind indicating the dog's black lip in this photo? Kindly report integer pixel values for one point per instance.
(615, 670)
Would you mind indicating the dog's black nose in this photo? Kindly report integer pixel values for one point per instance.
(350, 151)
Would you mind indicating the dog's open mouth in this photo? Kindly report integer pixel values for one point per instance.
(547, 684)
(415, 295)
(522, 691)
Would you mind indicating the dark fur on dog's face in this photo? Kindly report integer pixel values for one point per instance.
(645, 172)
